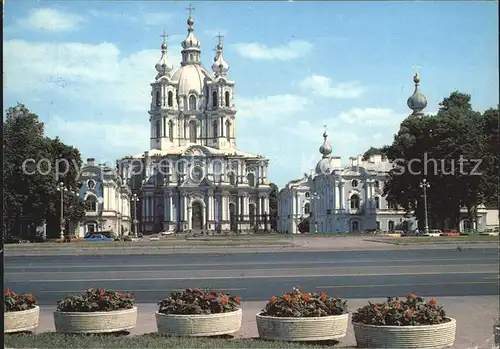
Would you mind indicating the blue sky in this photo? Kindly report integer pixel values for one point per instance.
(85, 69)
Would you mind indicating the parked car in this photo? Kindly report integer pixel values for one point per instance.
(98, 238)
(167, 233)
(154, 237)
(11, 239)
(433, 233)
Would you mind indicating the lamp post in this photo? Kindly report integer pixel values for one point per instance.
(63, 189)
(315, 196)
(424, 184)
(135, 200)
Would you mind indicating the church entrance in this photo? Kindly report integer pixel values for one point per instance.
(232, 217)
(196, 216)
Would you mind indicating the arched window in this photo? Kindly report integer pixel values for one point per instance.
(376, 184)
(215, 128)
(377, 202)
(307, 208)
(354, 183)
(158, 99)
(308, 195)
(158, 129)
(355, 226)
(377, 225)
(393, 205)
(228, 129)
(226, 95)
(214, 98)
(355, 201)
(170, 98)
(192, 102)
(192, 131)
(171, 130)
(91, 203)
(190, 56)
(251, 179)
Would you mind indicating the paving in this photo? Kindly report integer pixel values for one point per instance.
(475, 319)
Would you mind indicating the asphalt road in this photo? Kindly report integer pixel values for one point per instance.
(258, 276)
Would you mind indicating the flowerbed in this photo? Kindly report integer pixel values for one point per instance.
(18, 302)
(21, 312)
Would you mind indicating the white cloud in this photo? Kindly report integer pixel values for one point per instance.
(141, 17)
(50, 20)
(372, 117)
(292, 50)
(323, 86)
(111, 138)
(97, 74)
(270, 107)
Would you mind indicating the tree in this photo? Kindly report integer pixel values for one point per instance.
(441, 148)
(31, 173)
(372, 151)
(273, 206)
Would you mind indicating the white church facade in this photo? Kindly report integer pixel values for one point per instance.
(194, 178)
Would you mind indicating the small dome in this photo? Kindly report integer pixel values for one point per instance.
(163, 66)
(220, 66)
(326, 147)
(191, 41)
(324, 166)
(191, 78)
(417, 102)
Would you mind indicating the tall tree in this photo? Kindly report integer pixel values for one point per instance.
(273, 206)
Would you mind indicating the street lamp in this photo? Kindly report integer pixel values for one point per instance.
(424, 184)
(314, 197)
(135, 200)
(63, 189)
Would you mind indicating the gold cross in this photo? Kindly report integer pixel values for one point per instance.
(220, 37)
(164, 36)
(190, 9)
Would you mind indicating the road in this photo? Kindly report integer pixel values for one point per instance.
(258, 276)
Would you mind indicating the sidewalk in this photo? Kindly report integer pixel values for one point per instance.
(475, 317)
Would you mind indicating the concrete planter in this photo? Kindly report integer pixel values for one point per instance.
(199, 325)
(21, 321)
(96, 322)
(302, 328)
(496, 332)
(421, 337)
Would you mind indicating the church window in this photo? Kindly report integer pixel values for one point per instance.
(228, 129)
(354, 183)
(192, 102)
(158, 99)
(192, 131)
(376, 184)
(307, 208)
(391, 225)
(158, 129)
(226, 95)
(215, 128)
(232, 179)
(393, 205)
(170, 99)
(377, 225)
(377, 202)
(222, 126)
(214, 98)
(190, 56)
(308, 195)
(90, 184)
(171, 130)
(251, 179)
(355, 201)
(91, 203)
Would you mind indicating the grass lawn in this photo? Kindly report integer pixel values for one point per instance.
(153, 340)
(439, 239)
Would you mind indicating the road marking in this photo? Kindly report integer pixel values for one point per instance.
(288, 269)
(41, 266)
(492, 278)
(253, 277)
(412, 284)
(153, 290)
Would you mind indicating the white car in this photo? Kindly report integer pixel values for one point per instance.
(167, 233)
(154, 237)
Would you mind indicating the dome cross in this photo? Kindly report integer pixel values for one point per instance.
(190, 9)
(164, 36)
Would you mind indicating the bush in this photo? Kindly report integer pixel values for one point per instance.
(18, 302)
(94, 300)
(197, 302)
(413, 311)
(300, 304)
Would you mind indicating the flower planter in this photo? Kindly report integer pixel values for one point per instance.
(496, 332)
(421, 337)
(21, 321)
(302, 328)
(95, 322)
(199, 325)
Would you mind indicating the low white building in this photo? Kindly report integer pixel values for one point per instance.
(294, 205)
(107, 200)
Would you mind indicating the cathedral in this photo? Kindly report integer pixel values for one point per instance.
(193, 178)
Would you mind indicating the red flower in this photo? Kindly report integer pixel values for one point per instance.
(433, 302)
(409, 314)
(306, 297)
(273, 299)
(237, 300)
(411, 295)
(323, 296)
(224, 300)
(101, 292)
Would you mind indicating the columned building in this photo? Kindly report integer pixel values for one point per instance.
(194, 178)
(107, 200)
(294, 205)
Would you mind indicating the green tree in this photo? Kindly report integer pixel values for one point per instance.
(273, 206)
(372, 151)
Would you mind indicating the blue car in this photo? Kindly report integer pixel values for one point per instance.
(98, 238)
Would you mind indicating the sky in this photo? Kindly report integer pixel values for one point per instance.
(85, 68)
